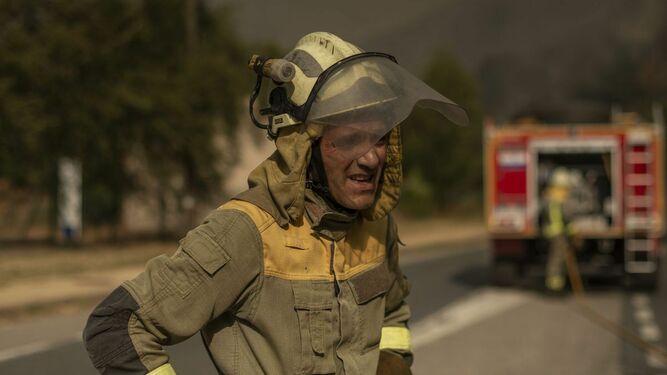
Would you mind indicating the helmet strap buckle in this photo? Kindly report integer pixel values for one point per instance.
(280, 121)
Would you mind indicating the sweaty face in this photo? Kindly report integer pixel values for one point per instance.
(353, 161)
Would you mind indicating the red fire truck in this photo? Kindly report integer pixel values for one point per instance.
(619, 167)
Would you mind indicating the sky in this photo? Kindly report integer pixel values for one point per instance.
(521, 51)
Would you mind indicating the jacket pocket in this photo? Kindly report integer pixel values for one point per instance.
(180, 273)
(369, 289)
(313, 304)
(296, 243)
(208, 252)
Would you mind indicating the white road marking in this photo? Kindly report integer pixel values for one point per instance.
(650, 332)
(655, 362)
(644, 315)
(36, 347)
(461, 314)
(648, 329)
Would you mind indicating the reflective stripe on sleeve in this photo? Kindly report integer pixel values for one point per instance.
(395, 338)
(165, 369)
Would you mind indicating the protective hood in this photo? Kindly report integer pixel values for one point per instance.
(278, 184)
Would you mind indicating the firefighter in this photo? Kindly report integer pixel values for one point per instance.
(298, 274)
(555, 226)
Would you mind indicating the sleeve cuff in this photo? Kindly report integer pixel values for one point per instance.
(165, 369)
(396, 338)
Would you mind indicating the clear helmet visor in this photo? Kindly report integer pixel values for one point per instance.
(347, 143)
(369, 96)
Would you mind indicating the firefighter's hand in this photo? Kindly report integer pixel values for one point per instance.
(392, 364)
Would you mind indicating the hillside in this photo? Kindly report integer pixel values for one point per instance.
(528, 55)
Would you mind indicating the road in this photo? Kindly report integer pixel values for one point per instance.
(461, 325)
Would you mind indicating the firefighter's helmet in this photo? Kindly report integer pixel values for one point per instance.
(560, 178)
(326, 80)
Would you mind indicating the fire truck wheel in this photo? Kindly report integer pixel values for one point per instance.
(505, 273)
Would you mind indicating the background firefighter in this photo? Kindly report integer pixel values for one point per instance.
(557, 207)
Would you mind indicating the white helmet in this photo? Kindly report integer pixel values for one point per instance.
(560, 177)
(326, 80)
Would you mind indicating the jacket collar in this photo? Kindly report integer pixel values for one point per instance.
(325, 220)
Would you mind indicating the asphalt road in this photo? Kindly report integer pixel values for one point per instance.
(461, 325)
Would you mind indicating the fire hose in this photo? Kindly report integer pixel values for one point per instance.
(623, 333)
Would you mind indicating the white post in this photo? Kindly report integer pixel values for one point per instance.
(69, 201)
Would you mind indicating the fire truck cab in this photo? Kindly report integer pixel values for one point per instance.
(617, 174)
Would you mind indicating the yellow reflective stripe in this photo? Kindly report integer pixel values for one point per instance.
(555, 226)
(165, 369)
(395, 338)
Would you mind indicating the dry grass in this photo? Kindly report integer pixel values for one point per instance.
(26, 262)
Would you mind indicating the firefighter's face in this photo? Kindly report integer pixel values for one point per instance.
(353, 176)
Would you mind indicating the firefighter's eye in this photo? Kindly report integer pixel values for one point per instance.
(350, 141)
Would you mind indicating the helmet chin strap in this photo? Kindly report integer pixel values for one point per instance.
(317, 177)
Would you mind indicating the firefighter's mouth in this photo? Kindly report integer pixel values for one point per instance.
(362, 182)
(362, 177)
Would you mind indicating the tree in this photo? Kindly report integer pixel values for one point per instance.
(443, 162)
(103, 81)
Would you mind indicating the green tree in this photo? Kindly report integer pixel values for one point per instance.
(443, 162)
(103, 81)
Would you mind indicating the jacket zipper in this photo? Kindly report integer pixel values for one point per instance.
(331, 267)
(332, 270)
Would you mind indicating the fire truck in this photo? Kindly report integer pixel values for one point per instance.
(616, 170)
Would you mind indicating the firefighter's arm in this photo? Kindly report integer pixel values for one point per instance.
(395, 347)
(214, 269)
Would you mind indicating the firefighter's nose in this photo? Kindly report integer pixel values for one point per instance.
(371, 159)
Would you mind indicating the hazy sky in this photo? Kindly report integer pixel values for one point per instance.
(521, 51)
